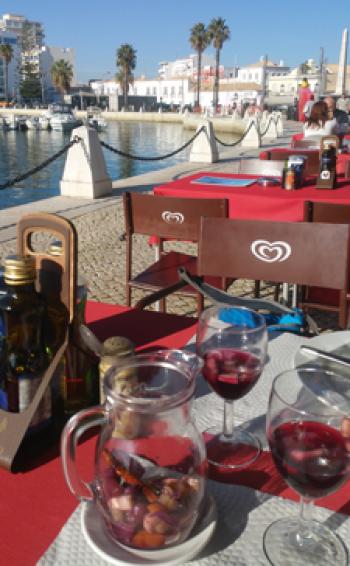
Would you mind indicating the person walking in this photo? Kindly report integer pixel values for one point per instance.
(304, 96)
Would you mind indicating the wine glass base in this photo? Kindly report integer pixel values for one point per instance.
(283, 544)
(231, 452)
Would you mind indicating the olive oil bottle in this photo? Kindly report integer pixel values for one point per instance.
(23, 353)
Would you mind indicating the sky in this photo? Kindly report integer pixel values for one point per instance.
(290, 31)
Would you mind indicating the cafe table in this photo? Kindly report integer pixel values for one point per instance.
(41, 521)
(256, 202)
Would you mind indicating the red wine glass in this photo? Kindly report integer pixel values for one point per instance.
(232, 342)
(309, 437)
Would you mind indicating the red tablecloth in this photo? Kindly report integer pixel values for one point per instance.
(297, 137)
(256, 202)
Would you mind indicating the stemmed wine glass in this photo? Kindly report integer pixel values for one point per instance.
(232, 342)
(309, 437)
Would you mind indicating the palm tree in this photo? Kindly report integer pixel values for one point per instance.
(62, 74)
(6, 52)
(219, 32)
(126, 63)
(199, 40)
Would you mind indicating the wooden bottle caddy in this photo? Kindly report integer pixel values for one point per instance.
(60, 271)
(328, 181)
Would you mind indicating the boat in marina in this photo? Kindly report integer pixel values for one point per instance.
(94, 118)
(38, 123)
(62, 118)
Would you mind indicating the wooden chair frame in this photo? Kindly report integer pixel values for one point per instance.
(167, 218)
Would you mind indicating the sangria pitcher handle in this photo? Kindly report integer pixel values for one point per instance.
(73, 430)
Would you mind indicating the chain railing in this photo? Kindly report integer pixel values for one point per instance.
(77, 139)
(233, 144)
(156, 158)
(41, 165)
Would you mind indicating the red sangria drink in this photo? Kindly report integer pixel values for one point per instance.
(232, 342)
(231, 373)
(311, 456)
(310, 448)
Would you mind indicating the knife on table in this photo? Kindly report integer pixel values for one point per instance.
(329, 356)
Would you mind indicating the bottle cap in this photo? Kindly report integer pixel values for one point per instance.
(117, 346)
(19, 270)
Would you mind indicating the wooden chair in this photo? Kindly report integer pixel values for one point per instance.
(325, 299)
(168, 218)
(303, 253)
(312, 165)
(269, 168)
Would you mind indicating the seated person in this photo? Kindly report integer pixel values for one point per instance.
(340, 116)
(318, 124)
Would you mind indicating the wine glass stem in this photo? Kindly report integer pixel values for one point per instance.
(305, 518)
(228, 418)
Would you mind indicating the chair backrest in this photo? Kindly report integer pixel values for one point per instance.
(304, 253)
(261, 167)
(307, 143)
(169, 217)
(335, 213)
(312, 165)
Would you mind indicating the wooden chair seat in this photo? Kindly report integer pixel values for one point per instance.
(163, 273)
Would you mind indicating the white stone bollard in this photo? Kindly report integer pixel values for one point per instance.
(204, 148)
(270, 132)
(85, 174)
(252, 138)
(279, 124)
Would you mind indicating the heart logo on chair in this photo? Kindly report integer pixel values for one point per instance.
(271, 251)
(173, 217)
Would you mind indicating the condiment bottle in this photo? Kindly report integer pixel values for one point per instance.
(288, 177)
(23, 352)
(78, 379)
(116, 350)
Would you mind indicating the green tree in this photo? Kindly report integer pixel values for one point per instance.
(62, 74)
(30, 87)
(219, 33)
(126, 63)
(199, 40)
(6, 53)
(304, 68)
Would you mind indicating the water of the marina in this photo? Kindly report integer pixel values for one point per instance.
(20, 151)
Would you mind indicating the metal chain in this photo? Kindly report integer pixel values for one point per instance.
(138, 157)
(268, 125)
(19, 178)
(236, 142)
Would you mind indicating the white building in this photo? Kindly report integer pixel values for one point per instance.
(48, 56)
(13, 67)
(16, 24)
(186, 67)
(169, 91)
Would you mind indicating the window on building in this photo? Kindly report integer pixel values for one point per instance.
(147, 91)
(165, 91)
(282, 88)
(135, 90)
(172, 91)
(250, 76)
(180, 90)
(154, 91)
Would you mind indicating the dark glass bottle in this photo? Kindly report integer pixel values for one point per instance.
(78, 379)
(23, 352)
